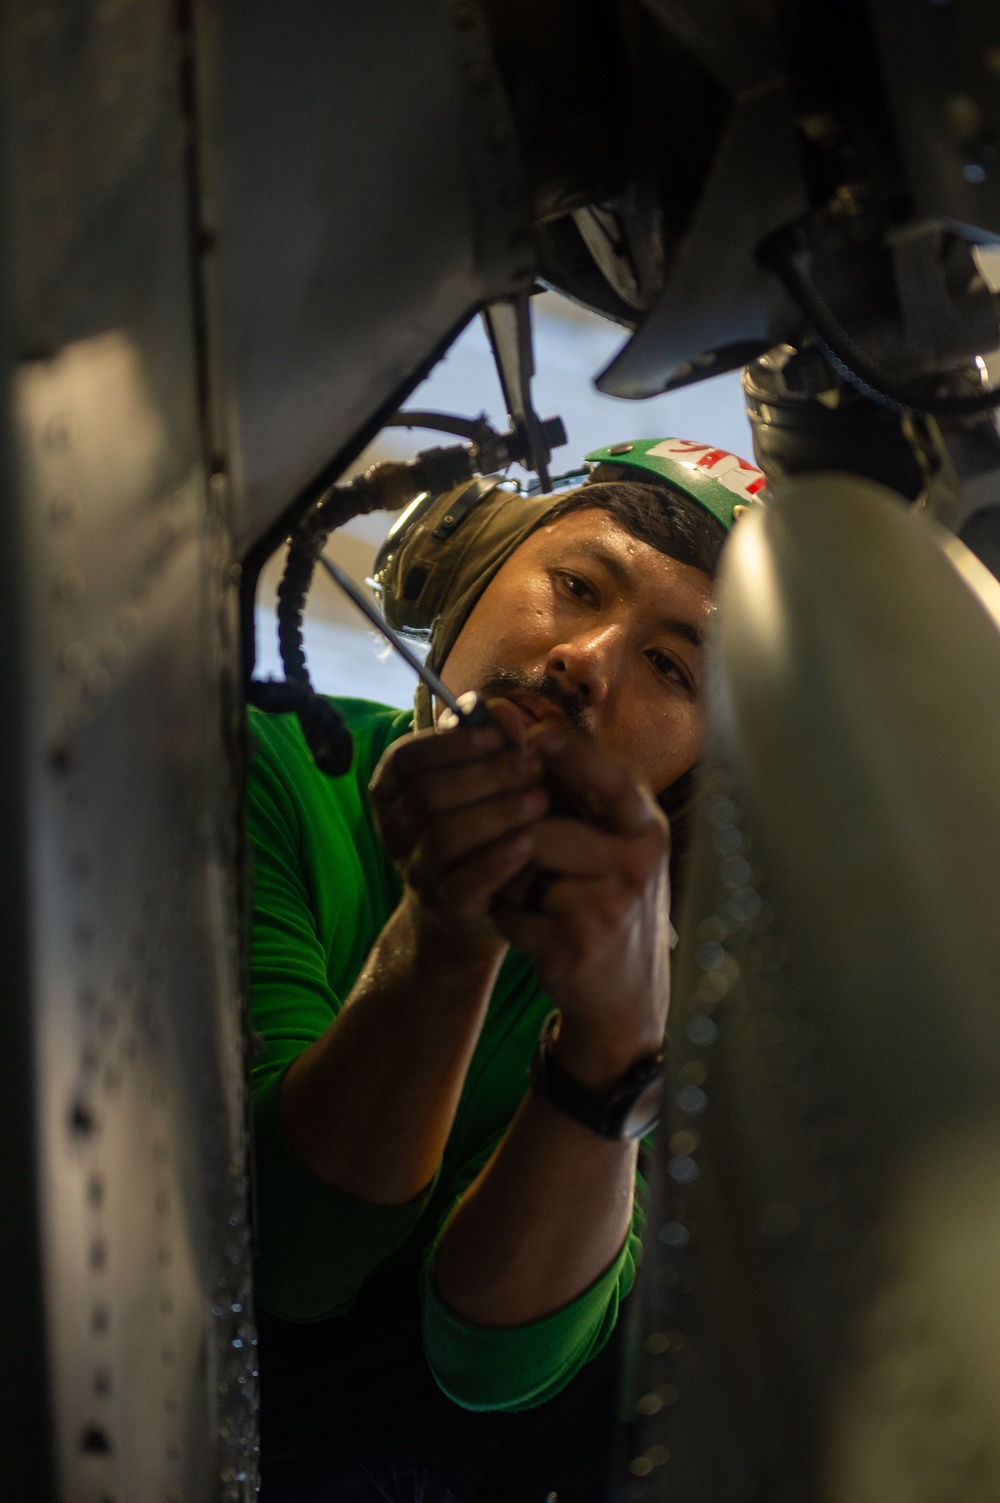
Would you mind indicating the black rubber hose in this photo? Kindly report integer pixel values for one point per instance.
(327, 736)
(846, 356)
(307, 543)
(323, 726)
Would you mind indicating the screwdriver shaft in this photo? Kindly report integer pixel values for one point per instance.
(370, 610)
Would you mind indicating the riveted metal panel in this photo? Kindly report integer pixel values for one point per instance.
(370, 199)
(126, 1150)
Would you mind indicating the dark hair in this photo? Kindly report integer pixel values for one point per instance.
(655, 514)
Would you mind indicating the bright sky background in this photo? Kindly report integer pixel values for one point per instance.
(571, 347)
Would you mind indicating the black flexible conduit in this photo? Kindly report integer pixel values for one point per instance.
(323, 726)
(846, 356)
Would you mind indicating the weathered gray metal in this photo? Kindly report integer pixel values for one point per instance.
(826, 1247)
(371, 199)
(126, 1325)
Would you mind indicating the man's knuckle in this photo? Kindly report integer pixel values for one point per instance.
(514, 805)
(416, 875)
(453, 893)
(401, 754)
(577, 946)
(659, 836)
(609, 909)
(393, 840)
(642, 856)
(635, 881)
(507, 775)
(424, 799)
(434, 846)
(496, 859)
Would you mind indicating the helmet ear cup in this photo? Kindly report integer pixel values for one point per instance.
(416, 559)
(436, 563)
(413, 583)
(408, 519)
(439, 558)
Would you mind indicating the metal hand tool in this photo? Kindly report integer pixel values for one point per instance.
(473, 712)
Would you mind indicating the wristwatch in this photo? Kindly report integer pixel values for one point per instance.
(626, 1110)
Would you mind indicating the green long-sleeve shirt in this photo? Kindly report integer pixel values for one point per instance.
(323, 890)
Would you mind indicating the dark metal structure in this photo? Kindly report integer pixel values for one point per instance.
(129, 1370)
(818, 1309)
(372, 198)
(233, 238)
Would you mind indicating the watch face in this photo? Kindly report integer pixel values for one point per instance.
(644, 1113)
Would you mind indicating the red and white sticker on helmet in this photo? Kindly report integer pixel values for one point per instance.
(728, 469)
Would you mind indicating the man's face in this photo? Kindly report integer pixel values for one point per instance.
(587, 624)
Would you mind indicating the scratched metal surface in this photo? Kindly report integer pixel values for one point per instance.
(371, 198)
(124, 1165)
(819, 1318)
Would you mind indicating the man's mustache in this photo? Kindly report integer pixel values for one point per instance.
(507, 682)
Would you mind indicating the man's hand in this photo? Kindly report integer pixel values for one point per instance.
(550, 1210)
(368, 1107)
(456, 811)
(462, 814)
(600, 942)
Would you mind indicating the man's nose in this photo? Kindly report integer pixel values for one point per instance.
(586, 663)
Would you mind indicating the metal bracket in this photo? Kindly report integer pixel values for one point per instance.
(508, 325)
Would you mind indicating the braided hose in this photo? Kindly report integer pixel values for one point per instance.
(845, 355)
(323, 727)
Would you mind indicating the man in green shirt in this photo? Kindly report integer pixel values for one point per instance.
(444, 1242)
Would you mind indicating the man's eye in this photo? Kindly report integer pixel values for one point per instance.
(667, 668)
(575, 586)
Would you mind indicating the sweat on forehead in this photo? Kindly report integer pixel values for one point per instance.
(655, 514)
(594, 536)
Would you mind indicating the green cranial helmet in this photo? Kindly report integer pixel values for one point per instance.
(720, 482)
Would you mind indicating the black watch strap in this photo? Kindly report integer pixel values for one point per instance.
(627, 1109)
